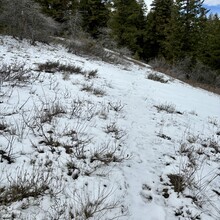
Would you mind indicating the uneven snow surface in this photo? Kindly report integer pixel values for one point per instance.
(108, 145)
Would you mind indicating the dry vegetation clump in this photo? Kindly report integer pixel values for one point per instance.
(91, 89)
(107, 154)
(14, 74)
(25, 184)
(197, 75)
(157, 77)
(169, 108)
(66, 70)
(90, 47)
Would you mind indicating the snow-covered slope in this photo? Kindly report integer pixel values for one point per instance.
(104, 144)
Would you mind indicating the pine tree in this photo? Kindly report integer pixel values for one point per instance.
(59, 10)
(157, 20)
(1, 11)
(185, 30)
(174, 36)
(210, 50)
(95, 16)
(128, 23)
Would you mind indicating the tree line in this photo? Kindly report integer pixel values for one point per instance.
(171, 30)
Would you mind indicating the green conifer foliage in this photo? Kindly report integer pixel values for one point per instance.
(157, 21)
(211, 44)
(95, 16)
(186, 29)
(128, 23)
(58, 9)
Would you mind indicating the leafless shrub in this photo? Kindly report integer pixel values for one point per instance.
(160, 64)
(106, 40)
(66, 70)
(97, 205)
(82, 109)
(191, 138)
(20, 128)
(190, 176)
(169, 108)
(73, 170)
(48, 110)
(73, 140)
(116, 132)
(91, 74)
(70, 69)
(181, 212)
(52, 67)
(48, 138)
(7, 151)
(91, 89)
(15, 74)
(189, 68)
(98, 92)
(157, 77)
(161, 135)
(217, 81)
(184, 149)
(213, 144)
(87, 47)
(87, 87)
(79, 139)
(88, 204)
(26, 184)
(116, 106)
(90, 47)
(124, 51)
(73, 26)
(109, 154)
(23, 19)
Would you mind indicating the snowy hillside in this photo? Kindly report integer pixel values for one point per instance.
(84, 139)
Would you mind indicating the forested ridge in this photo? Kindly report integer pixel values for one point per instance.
(180, 35)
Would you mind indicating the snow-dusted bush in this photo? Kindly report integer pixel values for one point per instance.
(169, 108)
(157, 77)
(25, 184)
(66, 70)
(194, 70)
(14, 74)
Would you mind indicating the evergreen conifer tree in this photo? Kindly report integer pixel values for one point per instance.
(185, 30)
(128, 23)
(210, 50)
(95, 16)
(157, 20)
(59, 10)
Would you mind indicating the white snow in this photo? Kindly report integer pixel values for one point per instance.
(148, 139)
